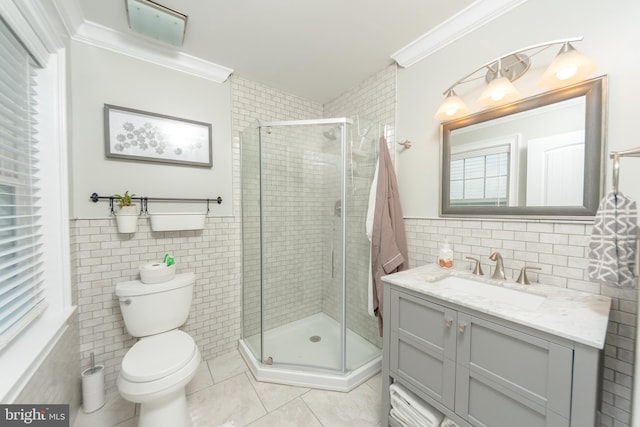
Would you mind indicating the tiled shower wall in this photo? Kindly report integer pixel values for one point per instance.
(291, 289)
(293, 170)
(560, 249)
(372, 100)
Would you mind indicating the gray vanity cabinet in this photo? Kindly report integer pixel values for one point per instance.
(424, 356)
(479, 370)
(505, 377)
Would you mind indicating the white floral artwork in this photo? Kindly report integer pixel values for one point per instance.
(138, 135)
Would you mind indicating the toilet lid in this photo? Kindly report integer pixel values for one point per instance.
(157, 356)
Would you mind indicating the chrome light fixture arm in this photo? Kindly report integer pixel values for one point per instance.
(488, 65)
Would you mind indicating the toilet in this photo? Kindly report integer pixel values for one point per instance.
(155, 371)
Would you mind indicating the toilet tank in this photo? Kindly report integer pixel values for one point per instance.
(155, 308)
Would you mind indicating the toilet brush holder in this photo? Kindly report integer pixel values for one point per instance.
(93, 388)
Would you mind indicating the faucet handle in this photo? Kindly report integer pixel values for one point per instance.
(477, 270)
(522, 278)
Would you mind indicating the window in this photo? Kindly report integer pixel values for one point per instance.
(35, 278)
(21, 273)
(482, 173)
(480, 179)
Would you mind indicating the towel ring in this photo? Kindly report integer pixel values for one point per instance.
(616, 171)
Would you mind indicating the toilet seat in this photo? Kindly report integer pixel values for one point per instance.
(157, 356)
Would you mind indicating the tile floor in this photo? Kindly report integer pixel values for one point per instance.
(224, 392)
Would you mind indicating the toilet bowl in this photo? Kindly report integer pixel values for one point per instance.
(155, 371)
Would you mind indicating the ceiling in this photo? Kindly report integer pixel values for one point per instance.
(310, 48)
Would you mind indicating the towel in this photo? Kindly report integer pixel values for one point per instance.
(613, 245)
(389, 251)
(448, 422)
(369, 230)
(409, 410)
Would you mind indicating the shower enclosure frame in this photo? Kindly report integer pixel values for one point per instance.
(303, 375)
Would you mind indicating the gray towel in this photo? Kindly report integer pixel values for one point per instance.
(612, 249)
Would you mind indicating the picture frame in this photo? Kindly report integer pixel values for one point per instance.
(150, 137)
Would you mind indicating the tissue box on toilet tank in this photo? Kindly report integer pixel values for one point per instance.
(156, 272)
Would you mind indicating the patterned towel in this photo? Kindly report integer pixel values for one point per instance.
(613, 245)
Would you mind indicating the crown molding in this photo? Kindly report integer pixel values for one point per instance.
(106, 38)
(71, 14)
(474, 16)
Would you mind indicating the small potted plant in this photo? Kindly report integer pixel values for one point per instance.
(127, 214)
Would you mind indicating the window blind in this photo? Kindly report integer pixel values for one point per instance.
(21, 276)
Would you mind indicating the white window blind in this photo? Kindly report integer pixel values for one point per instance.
(480, 177)
(21, 275)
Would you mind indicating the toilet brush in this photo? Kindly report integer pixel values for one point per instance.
(93, 386)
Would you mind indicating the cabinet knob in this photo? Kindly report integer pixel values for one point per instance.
(448, 322)
(461, 327)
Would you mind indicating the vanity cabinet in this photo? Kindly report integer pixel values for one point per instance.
(484, 371)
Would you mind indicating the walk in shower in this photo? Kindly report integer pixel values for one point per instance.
(305, 253)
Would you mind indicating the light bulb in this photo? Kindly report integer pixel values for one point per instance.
(498, 91)
(566, 73)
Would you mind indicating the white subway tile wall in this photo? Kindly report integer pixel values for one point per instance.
(560, 249)
(291, 292)
(373, 100)
(106, 257)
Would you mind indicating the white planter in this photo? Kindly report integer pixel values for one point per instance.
(127, 219)
(176, 221)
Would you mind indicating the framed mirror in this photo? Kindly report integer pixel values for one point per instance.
(540, 157)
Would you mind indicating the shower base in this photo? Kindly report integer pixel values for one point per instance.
(306, 353)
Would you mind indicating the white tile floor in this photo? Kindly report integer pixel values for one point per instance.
(225, 393)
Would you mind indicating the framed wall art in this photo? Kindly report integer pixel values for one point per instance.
(139, 135)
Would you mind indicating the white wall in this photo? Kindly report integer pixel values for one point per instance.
(611, 39)
(101, 77)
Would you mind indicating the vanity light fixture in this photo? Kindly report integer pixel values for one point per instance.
(452, 106)
(156, 21)
(500, 90)
(568, 67)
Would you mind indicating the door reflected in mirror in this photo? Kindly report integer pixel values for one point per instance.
(527, 158)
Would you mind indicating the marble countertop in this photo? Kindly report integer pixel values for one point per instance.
(577, 316)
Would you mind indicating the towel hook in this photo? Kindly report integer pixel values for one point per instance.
(616, 171)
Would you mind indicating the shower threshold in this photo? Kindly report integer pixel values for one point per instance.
(313, 341)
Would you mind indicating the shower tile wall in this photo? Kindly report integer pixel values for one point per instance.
(290, 295)
(293, 210)
(372, 100)
(560, 249)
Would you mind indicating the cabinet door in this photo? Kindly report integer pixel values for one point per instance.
(506, 378)
(423, 346)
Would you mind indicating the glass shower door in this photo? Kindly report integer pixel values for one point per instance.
(251, 275)
(301, 244)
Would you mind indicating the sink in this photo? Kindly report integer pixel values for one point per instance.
(494, 293)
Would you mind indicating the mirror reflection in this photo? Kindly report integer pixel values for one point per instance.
(528, 158)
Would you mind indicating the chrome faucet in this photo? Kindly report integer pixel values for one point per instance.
(498, 273)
